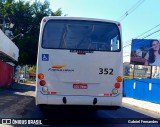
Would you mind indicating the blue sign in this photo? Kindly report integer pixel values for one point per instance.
(18, 68)
(45, 57)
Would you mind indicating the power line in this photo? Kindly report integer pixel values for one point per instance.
(151, 34)
(133, 8)
(148, 31)
(128, 42)
(156, 35)
(145, 37)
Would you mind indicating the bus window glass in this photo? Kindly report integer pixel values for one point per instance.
(83, 35)
(114, 44)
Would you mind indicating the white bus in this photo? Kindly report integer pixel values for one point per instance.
(79, 63)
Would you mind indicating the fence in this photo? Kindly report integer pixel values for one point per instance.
(143, 89)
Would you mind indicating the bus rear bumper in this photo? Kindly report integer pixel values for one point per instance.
(97, 101)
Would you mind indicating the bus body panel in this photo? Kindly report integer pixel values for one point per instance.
(78, 77)
(78, 100)
(61, 80)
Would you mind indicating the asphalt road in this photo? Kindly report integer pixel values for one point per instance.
(83, 118)
(19, 102)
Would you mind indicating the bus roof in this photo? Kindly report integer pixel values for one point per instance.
(79, 18)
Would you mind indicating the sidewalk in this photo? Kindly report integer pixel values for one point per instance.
(142, 104)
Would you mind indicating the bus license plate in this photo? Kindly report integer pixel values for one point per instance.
(80, 86)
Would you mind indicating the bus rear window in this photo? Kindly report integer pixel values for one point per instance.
(82, 35)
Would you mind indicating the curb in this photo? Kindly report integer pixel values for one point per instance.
(142, 104)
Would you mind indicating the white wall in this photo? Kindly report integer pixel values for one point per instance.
(8, 47)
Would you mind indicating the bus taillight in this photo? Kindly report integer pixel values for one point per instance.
(41, 76)
(42, 82)
(117, 85)
(119, 79)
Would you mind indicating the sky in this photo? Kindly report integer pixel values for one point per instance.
(143, 18)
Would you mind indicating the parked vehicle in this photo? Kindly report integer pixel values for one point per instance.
(22, 79)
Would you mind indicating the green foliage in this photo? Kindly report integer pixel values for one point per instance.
(57, 13)
(26, 18)
(32, 69)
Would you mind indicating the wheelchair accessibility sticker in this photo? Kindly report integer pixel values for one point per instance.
(45, 57)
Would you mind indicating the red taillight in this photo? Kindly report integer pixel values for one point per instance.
(117, 85)
(42, 82)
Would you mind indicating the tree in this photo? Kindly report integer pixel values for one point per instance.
(32, 69)
(26, 18)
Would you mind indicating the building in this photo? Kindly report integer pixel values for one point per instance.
(9, 54)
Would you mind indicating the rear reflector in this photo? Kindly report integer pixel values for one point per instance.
(52, 92)
(107, 94)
